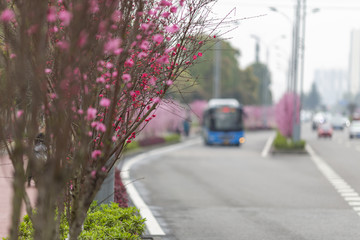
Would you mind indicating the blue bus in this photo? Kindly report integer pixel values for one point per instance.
(223, 122)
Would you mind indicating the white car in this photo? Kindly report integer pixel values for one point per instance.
(354, 129)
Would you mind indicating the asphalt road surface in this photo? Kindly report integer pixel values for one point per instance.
(202, 192)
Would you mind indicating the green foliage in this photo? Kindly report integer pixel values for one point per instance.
(102, 222)
(132, 146)
(172, 138)
(283, 143)
(235, 82)
(112, 222)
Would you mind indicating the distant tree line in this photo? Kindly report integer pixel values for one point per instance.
(247, 85)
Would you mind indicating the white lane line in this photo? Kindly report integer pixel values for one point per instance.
(343, 188)
(151, 223)
(265, 151)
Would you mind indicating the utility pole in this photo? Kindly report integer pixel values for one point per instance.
(296, 123)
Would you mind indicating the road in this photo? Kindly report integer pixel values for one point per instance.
(204, 192)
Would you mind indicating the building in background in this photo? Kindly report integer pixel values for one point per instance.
(332, 85)
(354, 63)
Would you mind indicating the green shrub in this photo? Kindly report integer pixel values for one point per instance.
(102, 222)
(283, 143)
(132, 146)
(171, 138)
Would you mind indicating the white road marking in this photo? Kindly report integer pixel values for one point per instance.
(151, 223)
(265, 151)
(343, 188)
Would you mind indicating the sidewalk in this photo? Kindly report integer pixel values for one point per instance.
(6, 175)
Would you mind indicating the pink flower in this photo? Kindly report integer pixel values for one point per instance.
(64, 45)
(169, 82)
(100, 127)
(126, 77)
(116, 16)
(47, 70)
(158, 38)
(94, 6)
(199, 54)
(100, 79)
(12, 55)
(19, 113)
(83, 39)
(93, 173)
(91, 113)
(145, 26)
(103, 169)
(105, 102)
(80, 111)
(112, 45)
(165, 14)
(7, 15)
(164, 59)
(129, 63)
(182, 2)
(65, 17)
(173, 9)
(165, 3)
(194, 57)
(142, 55)
(172, 29)
(109, 65)
(95, 154)
(144, 45)
(51, 14)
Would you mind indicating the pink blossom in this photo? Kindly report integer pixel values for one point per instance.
(51, 14)
(114, 138)
(94, 6)
(165, 3)
(118, 51)
(93, 174)
(83, 39)
(169, 82)
(172, 29)
(145, 26)
(142, 55)
(48, 70)
(112, 45)
(158, 38)
(152, 81)
(157, 100)
(173, 9)
(199, 54)
(95, 154)
(65, 17)
(126, 77)
(165, 14)
(109, 65)
(100, 127)
(80, 111)
(194, 57)
(105, 102)
(12, 55)
(19, 113)
(129, 63)
(100, 79)
(144, 45)
(103, 169)
(116, 16)
(64, 45)
(182, 2)
(7, 15)
(91, 113)
(164, 59)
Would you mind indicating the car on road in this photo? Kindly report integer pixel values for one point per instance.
(325, 130)
(339, 122)
(354, 129)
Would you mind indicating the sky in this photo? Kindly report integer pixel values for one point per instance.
(327, 36)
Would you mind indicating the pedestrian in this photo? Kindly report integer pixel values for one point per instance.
(40, 158)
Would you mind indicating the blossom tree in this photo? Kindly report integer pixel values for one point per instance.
(284, 112)
(89, 72)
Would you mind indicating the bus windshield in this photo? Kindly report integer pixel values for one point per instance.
(225, 119)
